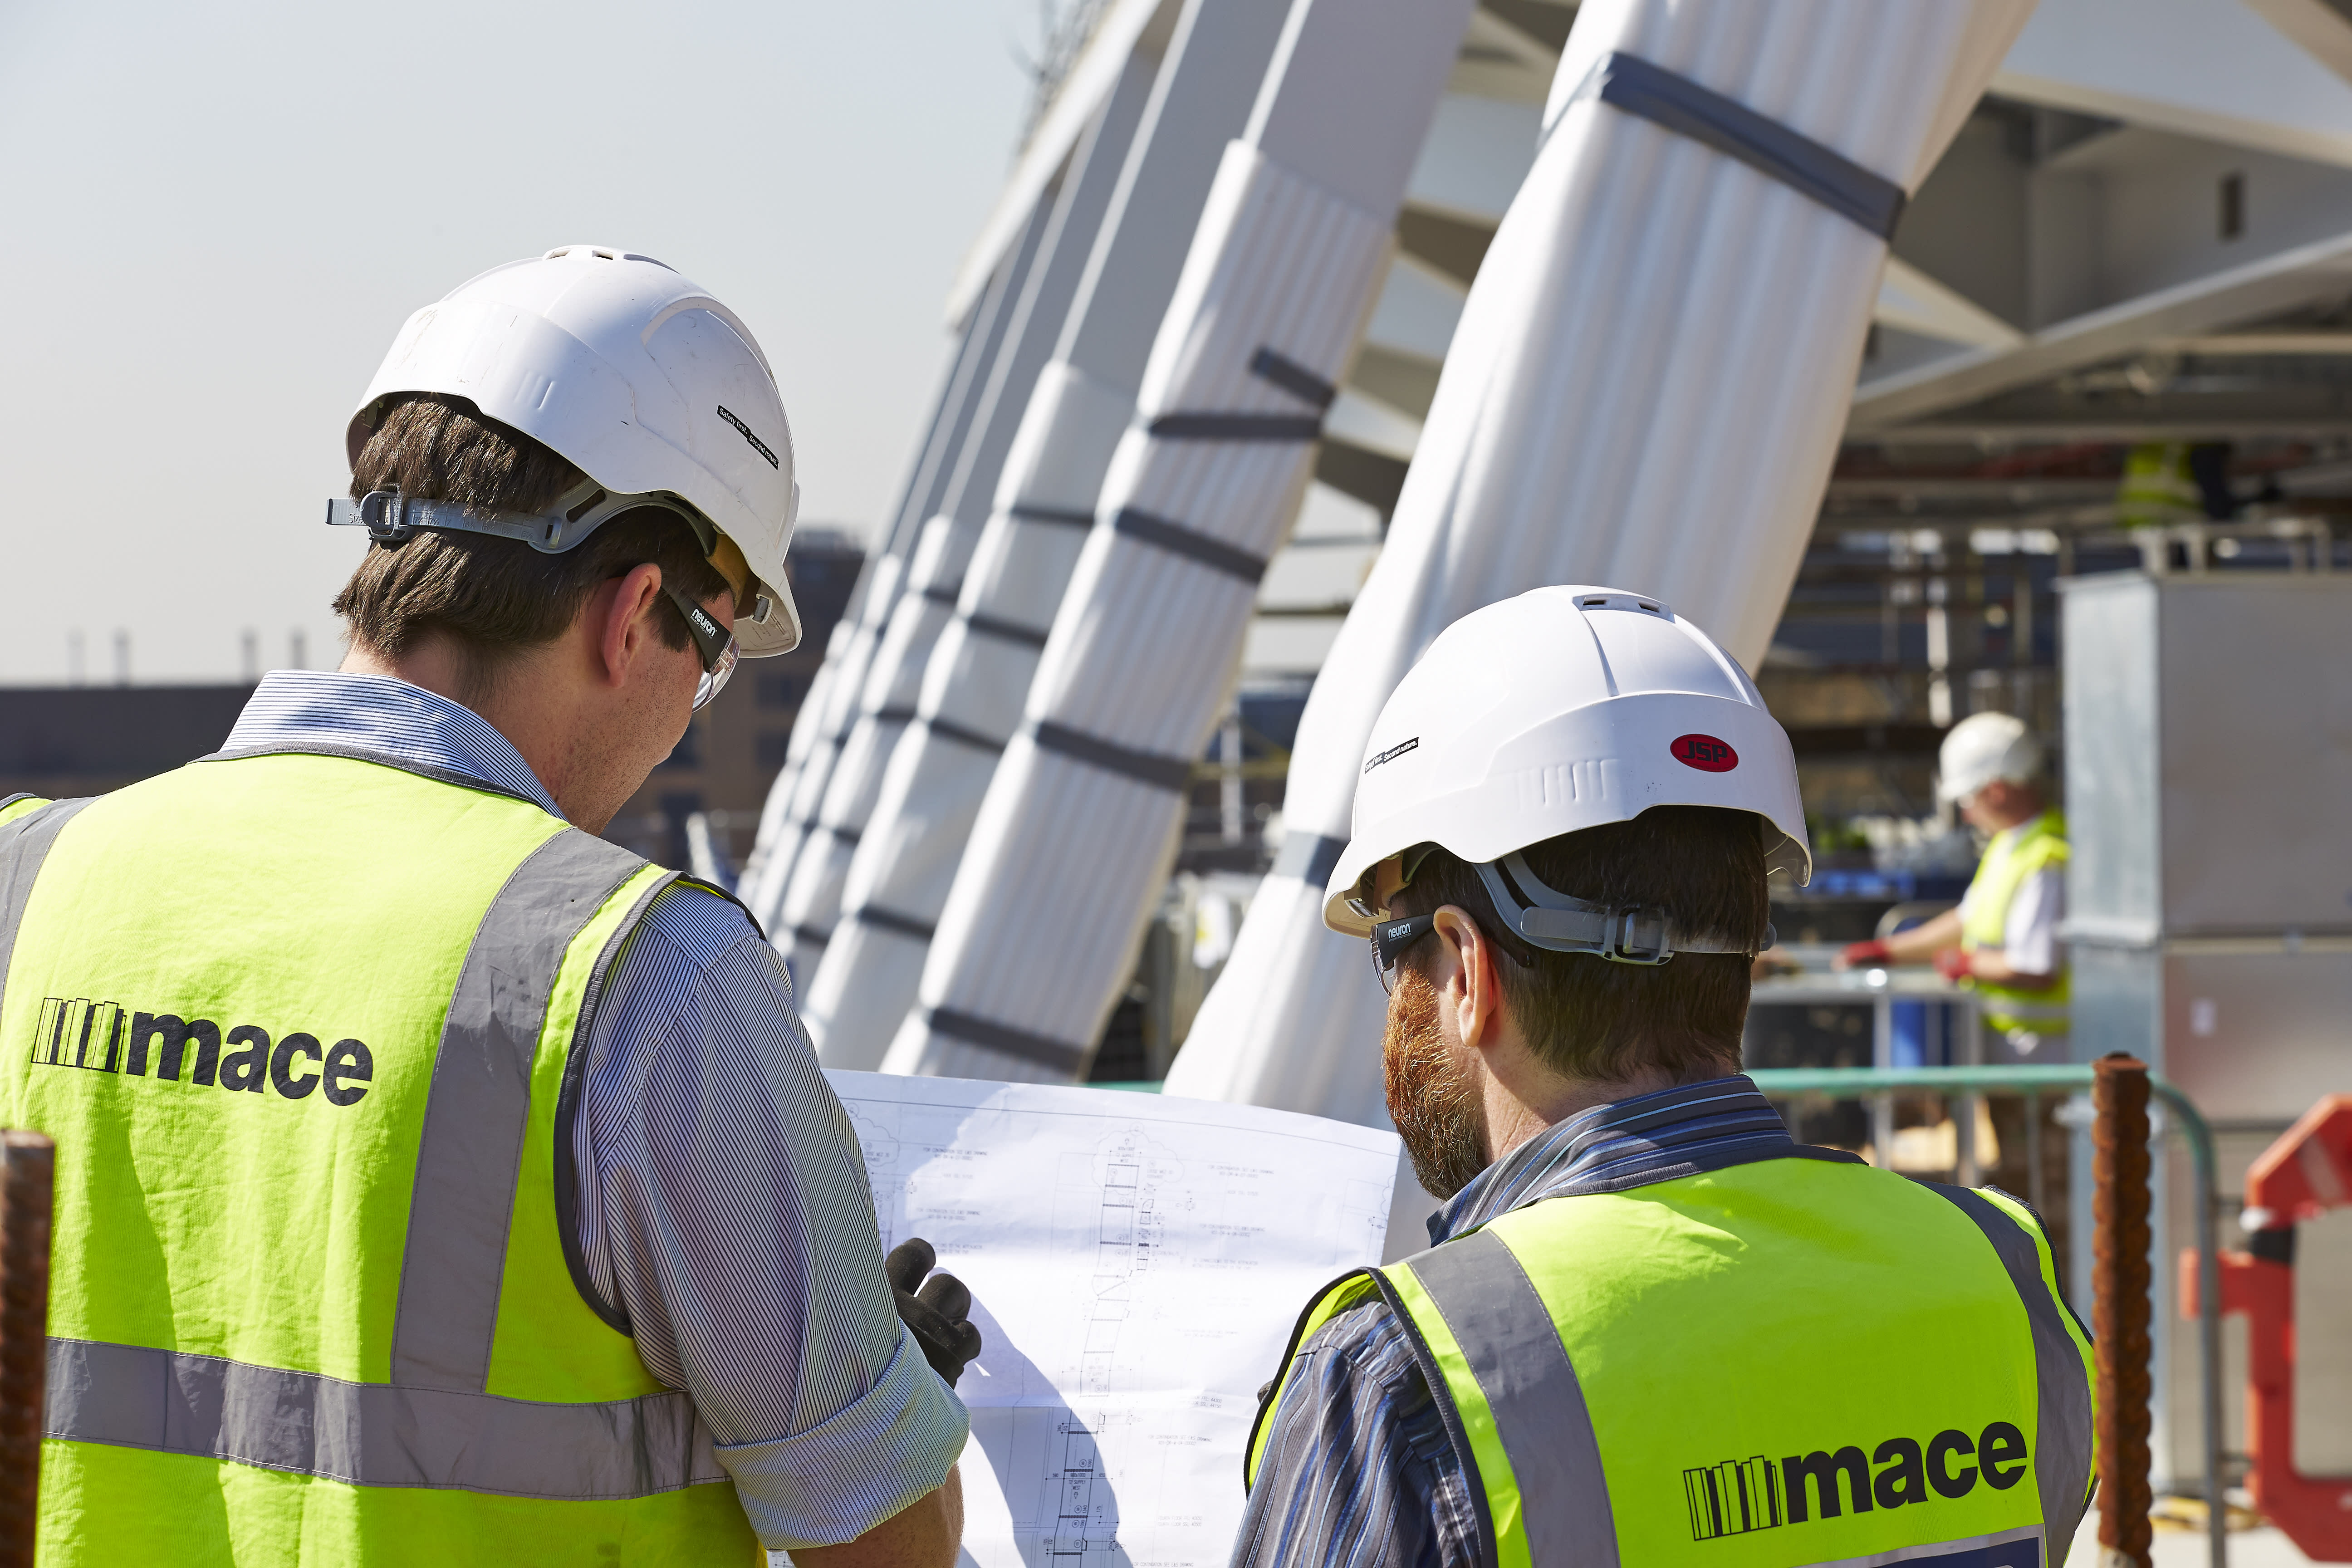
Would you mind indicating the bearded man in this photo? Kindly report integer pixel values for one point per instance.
(1650, 1319)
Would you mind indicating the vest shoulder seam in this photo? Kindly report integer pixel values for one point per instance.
(1441, 1395)
(454, 776)
(1701, 1164)
(567, 1109)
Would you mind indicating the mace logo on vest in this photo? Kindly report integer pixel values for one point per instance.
(1742, 1494)
(102, 1036)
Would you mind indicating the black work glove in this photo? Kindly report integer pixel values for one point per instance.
(939, 1315)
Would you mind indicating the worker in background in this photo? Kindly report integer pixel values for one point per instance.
(2002, 941)
(1649, 1319)
(437, 1183)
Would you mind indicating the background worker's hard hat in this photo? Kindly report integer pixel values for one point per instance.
(1561, 709)
(633, 374)
(1984, 747)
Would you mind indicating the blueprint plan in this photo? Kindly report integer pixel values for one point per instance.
(1136, 1264)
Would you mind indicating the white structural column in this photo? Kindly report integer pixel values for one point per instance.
(830, 708)
(878, 706)
(1074, 837)
(783, 821)
(971, 694)
(1646, 390)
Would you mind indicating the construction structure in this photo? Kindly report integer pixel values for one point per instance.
(2071, 302)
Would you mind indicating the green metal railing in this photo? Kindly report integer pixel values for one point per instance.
(1864, 1083)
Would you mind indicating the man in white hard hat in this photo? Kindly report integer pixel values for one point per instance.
(436, 1182)
(2002, 941)
(1651, 1320)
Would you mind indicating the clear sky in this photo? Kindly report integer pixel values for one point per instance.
(214, 218)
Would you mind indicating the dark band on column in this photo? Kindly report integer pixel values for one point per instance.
(1277, 369)
(1235, 427)
(1193, 545)
(1294, 378)
(1042, 1049)
(948, 730)
(880, 919)
(1323, 859)
(1143, 767)
(1632, 84)
(1004, 630)
(1060, 516)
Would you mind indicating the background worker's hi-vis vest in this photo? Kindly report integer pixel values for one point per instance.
(2013, 855)
(1791, 1362)
(300, 1025)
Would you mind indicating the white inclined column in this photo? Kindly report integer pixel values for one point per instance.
(1646, 390)
(883, 699)
(969, 697)
(788, 820)
(1074, 837)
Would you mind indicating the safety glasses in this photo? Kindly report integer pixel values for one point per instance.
(713, 643)
(1361, 896)
(1390, 939)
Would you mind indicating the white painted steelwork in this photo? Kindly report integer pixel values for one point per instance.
(920, 796)
(1079, 822)
(1646, 389)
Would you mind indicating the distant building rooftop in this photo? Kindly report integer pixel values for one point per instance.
(63, 741)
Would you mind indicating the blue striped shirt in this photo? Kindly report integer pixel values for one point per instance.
(724, 1211)
(1358, 1472)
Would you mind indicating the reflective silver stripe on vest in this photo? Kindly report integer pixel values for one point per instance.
(470, 1157)
(24, 844)
(374, 1434)
(2061, 1417)
(2019, 1548)
(1514, 1351)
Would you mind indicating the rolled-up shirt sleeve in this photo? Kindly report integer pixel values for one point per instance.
(723, 1209)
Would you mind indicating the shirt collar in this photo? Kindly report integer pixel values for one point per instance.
(1626, 1143)
(405, 726)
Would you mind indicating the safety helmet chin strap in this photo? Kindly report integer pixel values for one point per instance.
(1621, 933)
(390, 517)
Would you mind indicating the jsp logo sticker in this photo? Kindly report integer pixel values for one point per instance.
(1705, 753)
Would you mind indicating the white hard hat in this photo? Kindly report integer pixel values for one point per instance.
(636, 377)
(1561, 710)
(1984, 747)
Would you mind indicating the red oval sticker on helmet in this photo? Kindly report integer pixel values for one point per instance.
(1706, 753)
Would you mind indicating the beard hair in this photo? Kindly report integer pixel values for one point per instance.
(1436, 1102)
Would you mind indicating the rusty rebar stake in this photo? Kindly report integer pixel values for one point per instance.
(2121, 1304)
(27, 1173)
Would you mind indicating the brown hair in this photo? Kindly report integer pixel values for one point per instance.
(1588, 1018)
(494, 597)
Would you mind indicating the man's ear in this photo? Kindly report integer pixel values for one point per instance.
(1474, 989)
(621, 616)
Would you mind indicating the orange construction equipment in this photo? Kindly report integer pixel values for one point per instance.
(2307, 1172)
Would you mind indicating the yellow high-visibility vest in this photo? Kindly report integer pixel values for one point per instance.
(2015, 854)
(300, 1025)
